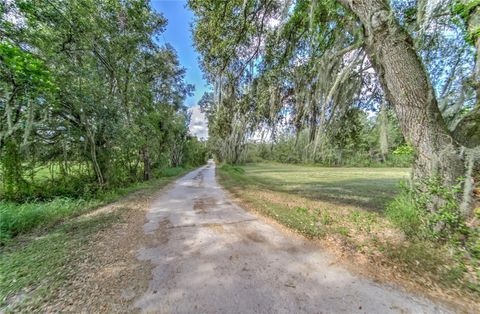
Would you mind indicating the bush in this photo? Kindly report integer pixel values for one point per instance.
(415, 213)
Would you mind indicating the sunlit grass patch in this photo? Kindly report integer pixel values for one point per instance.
(370, 188)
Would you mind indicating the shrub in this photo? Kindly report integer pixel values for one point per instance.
(413, 211)
(429, 213)
(406, 212)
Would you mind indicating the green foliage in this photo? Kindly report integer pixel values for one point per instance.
(353, 144)
(87, 90)
(405, 213)
(465, 9)
(22, 218)
(12, 169)
(404, 150)
(292, 150)
(24, 68)
(196, 152)
(411, 211)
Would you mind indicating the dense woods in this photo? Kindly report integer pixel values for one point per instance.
(89, 98)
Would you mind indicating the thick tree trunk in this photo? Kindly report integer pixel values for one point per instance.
(408, 89)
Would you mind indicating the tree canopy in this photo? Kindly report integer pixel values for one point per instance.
(86, 87)
(311, 70)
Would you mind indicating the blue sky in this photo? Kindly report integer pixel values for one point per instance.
(178, 34)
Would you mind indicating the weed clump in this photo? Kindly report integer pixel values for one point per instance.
(442, 225)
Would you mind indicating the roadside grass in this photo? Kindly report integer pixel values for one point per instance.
(17, 219)
(29, 273)
(51, 240)
(344, 207)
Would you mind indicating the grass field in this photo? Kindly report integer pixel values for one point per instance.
(370, 188)
(344, 207)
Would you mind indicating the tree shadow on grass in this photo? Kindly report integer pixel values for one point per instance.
(368, 194)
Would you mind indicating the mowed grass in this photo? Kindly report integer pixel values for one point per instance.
(345, 208)
(369, 188)
(318, 201)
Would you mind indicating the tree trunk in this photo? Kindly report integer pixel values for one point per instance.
(93, 155)
(408, 89)
(147, 169)
(383, 131)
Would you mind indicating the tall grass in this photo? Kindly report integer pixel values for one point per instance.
(20, 218)
(404, 213)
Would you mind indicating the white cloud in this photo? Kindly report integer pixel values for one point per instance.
(198, 123)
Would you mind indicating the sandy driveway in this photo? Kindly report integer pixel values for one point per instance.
(211, 256)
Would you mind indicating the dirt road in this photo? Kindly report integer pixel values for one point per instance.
(210, 256)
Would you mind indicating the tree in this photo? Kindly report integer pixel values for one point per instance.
(315, 60)
(86, 88)
(409, 89)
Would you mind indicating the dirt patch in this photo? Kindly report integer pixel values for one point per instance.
(110, 276)
(293, 250)
(255, 237)
(201, 205)
(218, 228)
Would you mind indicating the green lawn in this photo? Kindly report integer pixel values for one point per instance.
(370, 188)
